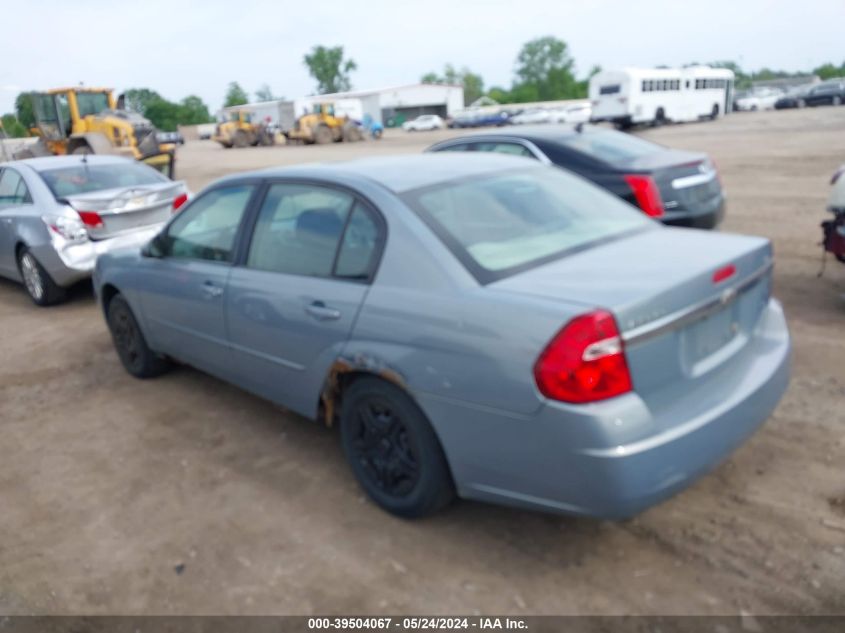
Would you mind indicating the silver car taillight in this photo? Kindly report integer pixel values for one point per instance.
(71, 230)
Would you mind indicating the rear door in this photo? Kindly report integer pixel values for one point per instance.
(183, 296)
(13, 195)
(294, 301)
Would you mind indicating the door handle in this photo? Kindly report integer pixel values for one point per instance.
(211, 290)
(319, 311)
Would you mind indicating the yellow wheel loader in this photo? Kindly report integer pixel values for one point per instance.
(322, 126)
(88, 121)
(238, 130)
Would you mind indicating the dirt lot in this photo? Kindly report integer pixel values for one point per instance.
(185, 495)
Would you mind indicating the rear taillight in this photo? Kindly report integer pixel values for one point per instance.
(837, 174)
(91, 219)
(646, 194)
(584, 362)
(723, 274)
(179, 200)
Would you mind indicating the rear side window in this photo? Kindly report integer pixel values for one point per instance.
(13, 190)
(299, 229)
(514, 149)
(359, 248)
(84, 178)
(462, 147)
(610, 146)
(508, 222)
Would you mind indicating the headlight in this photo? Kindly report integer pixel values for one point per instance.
(69, 229)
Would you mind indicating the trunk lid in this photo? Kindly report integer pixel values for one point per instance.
(126, 209)
(686, 180)
(677, 322)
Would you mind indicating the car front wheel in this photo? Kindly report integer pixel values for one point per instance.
(39, 285)
(137, 358)
(393, 451)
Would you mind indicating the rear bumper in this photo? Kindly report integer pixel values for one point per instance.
(706, 217)
(68, 264)
(616, 458)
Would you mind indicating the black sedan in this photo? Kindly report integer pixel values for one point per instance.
(676, 187)
(826, 93)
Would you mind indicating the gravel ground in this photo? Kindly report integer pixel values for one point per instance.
(185, 495)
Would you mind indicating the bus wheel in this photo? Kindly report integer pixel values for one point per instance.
(659, 118)
(714, 112)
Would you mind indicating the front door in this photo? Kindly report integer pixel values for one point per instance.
(292, 305)
(184, 286)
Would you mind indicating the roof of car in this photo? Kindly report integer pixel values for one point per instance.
(552, 132)
(402, 173)
(44, 163)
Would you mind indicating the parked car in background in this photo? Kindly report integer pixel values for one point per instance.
(170, 137)
(576, 113)
(424, 122)
(59, 213)
(761, 99)
(491, 328)
(492, 119)
(462, 120)
(794, 98)
(830, 92)
(676, 187)
(532, 116)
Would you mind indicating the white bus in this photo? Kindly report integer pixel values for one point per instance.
(657, 95)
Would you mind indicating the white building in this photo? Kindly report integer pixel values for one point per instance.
(386, 105)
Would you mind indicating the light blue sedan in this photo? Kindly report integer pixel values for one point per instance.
(489, 328)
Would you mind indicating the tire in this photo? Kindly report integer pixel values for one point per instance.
(241, 140)
(39, 285)
(135, 356)
(837, 100)
(801, 103)
(714, 113)
(659, 118)
(393, 451)
(323, 135)
(351, 133)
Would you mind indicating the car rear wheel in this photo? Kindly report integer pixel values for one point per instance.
(393, 451)
(39, 285)
(137, 358)
(837, 101)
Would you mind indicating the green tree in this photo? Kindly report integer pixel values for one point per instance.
(23, 110)
(163, 114)
(12, 127)
(829, 71)
(544, 66)
(264, 93)
(328, 67)
(235, 95)
(472, 83)
(193, 111)
(138, 99)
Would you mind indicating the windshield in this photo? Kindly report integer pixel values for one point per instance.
(91, 102)
(501, 224)
(70, 181)
(610, 146)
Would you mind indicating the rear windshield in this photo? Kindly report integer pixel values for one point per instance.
(610, 146)
(505, 223)
(70, 181)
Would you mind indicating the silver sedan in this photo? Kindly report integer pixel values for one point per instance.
(58, 214)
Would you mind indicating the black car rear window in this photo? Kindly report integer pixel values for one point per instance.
(84, 178)
(610, 146)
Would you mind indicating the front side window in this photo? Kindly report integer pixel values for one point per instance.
(298, 230)
(207, 228)
(13, 190)
(511, 221)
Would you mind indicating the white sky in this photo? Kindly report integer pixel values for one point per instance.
(184, 47)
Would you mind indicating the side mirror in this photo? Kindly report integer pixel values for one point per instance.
(152, 248)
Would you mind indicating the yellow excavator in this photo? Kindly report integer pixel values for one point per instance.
(88, 121)
(323, 126)
(238, 130)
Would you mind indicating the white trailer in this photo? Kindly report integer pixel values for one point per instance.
(656, 95)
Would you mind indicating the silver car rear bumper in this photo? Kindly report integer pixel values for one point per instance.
(616, 458)
(69, 263)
